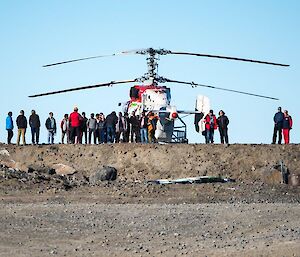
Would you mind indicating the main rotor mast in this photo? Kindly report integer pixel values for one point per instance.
(151, 77)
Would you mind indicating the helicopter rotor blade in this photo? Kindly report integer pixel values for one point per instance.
(219, 88)
(84, 87)
(92, 57)
(229, 58)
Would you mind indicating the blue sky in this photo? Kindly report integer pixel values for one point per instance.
(34, 33)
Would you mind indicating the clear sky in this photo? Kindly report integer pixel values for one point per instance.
(34, 33)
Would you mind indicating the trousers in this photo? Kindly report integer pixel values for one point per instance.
(286, 135)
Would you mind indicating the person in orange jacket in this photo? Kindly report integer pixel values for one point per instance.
(287, 126)
(210, 126)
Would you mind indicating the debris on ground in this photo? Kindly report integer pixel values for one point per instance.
(192, 180)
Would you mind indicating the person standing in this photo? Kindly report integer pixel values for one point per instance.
(110, 123)
(9, 127)
(152, 124)
(22, 126)
(51, 127)
(65, 129)
(135, 128)
(210, 126)
(83, 129)
(278, 123)
(126, 129)
(35, 124)
(223, 122)
(101, 127)
(120, 128)
(75, 120)
(92, 126)
(144, 128)
(287, 126)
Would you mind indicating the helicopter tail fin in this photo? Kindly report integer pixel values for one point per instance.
(203, 106)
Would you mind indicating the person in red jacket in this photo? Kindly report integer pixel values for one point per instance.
(210, 126)
(75, 122)
(286, 126)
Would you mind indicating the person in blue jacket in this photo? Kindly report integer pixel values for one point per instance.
(9, 127)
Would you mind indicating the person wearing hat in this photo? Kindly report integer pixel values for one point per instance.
(278, 123)
(210, 126)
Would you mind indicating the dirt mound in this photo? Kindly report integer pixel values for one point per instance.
(137, 162)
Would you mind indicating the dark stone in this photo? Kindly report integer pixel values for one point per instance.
(107, 173)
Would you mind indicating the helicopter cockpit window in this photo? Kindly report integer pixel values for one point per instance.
(134, 92)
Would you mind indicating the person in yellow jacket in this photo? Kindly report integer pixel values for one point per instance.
(152, 121)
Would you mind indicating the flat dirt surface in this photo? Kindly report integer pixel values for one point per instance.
(254, 216)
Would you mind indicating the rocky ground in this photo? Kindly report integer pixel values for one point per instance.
(52, 205)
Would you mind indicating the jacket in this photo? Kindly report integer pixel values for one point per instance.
(83, 124)
(75, 119)
(9, 122)
(121, 125)
(134, 121)
(34, 121)
(222, 122)
(51, 124)
(21, 122)
(111, 120)
(152, 122)
(91, 123)
(64, 125)
(100, 124)
(208, 124)
(144, 122)
(278, 118)
(287, 122)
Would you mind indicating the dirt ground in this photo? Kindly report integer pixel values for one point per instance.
(255, 216)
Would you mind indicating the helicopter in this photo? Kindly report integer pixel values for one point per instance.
(150, 96)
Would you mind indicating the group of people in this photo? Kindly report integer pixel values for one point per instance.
(77, 128)
(212, 123)
(283, 123)
(34, 123)
(98, 129)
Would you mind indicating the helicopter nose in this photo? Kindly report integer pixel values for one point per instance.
(174, 115)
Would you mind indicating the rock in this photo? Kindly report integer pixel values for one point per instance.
(63, 169)
(106, 173)
(4, 152)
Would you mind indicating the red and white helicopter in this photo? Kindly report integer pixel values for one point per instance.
(149, 95)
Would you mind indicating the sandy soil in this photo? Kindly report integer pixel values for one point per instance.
(254, 216)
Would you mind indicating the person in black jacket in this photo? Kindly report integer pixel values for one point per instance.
(83, 129)
(223, 122)
(51, 127)
(34, 122)
(135, 128)
(278, 123)
(110, 124)
(22, 125)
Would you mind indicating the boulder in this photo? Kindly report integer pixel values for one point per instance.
(63, 169)
(103, 174)
(4, 152)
